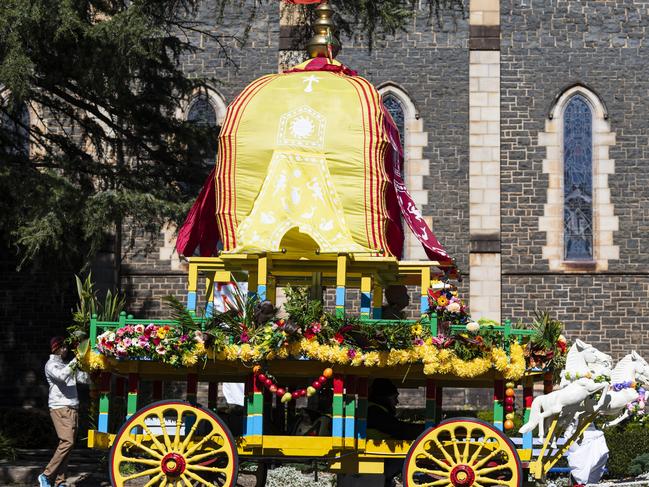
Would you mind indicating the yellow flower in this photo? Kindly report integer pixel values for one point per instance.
(162, 332)
(442, 301)
(371, 359)
(95, 361)
(416, 330)
(189, 359)
(199, 348)
(516, 368)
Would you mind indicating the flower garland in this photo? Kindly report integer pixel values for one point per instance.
(435, 360)
(163, 343)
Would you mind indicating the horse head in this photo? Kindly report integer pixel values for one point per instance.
(582, 355)
(632, 367)
(641, 368)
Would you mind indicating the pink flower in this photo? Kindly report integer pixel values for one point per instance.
(439, 341)
(143, 342)
(150, 329)
(316, 327)
(244, 337)
(161, 350)
(127, 342)
(198, 336)
(351, 353)
(418, 342)
(156, 341)
(120, 331)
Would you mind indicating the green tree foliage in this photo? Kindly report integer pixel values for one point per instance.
(103, 82)
(106, 77)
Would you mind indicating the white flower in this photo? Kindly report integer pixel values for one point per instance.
(454, 307)
(139, 328)
(473, 327)
(198, 336)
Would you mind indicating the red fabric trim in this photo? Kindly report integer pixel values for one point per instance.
(228, 208)
(322, 64)
(370, 162)
(381, 176)
(409, 210)
(200, 227)
(244, 105)
(365, 154)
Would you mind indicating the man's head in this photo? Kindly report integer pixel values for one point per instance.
(397, 296)
(384, 392)
(58, 346)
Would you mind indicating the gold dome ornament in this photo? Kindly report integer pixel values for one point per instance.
(324, 42)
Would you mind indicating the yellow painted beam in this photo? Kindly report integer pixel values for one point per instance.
(209, 286)
(192, 278)
(341, 270)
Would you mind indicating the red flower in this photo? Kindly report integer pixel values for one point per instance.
(308, 334)
(434, 294)
(561, 346)
(339, 338)
(345, 329)
(280, 323)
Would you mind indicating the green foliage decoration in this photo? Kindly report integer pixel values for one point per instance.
(639, 465)
(89, 304)
(626, 444)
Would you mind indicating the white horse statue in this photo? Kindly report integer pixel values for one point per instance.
(554, 403)
(629, 371)
(584, 360)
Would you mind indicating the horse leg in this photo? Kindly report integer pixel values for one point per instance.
(617, 420)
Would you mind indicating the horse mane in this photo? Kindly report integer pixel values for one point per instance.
(624, 370)
(575, 361)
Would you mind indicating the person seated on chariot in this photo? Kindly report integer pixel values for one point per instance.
(398, 300)
(382, 422)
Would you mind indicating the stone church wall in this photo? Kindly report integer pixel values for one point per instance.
(546, 47)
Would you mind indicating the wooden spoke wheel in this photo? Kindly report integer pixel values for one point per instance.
(462, 452)
(173, 444)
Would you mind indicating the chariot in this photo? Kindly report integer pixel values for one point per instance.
(308, 191)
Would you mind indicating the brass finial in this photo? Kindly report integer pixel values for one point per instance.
(324, 42)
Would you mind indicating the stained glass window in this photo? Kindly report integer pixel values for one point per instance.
(395, 108)
(17, 131)
(202, 113)
(578, 180)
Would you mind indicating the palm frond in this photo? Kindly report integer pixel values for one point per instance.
(547, 330)
(180, 313)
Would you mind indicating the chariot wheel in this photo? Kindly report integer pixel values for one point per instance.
(173, 444)
(462, 452)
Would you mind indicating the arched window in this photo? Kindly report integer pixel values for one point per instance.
(395, 107)
(579, 216)
(16, 130)
(578, 180)
(202, 113)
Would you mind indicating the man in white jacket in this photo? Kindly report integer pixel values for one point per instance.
(64, 404)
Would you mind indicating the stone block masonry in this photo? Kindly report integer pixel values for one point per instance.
(546, 48)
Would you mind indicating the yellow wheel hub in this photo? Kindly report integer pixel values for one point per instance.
(172, 443)
(462, 453)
